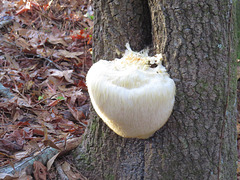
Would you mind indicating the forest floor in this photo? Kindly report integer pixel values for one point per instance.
(45, 53)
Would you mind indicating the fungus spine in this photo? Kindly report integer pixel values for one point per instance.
(133, 95)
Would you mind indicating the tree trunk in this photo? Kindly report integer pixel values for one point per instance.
(199, 140)
(238, 28)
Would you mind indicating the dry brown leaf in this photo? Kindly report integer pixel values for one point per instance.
(16, 115)
(28, 85)
(22, 43)
(70, 174)
(45, 52)
(78, 115)
(34, 144)
(51, 144)
(10, 146)
(66, 74)
(20, 102)
(56, 40)
(51, 161)
(68, 54)
(40, 171)
(12, 61)
(75, 96)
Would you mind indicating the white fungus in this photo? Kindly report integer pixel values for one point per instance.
(133, 95)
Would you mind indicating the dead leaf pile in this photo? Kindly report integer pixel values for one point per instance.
(45, 53)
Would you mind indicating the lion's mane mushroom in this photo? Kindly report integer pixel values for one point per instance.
(133, 95)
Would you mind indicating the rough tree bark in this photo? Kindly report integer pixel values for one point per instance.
(199, 140)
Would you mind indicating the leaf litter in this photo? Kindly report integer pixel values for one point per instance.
(45, 53)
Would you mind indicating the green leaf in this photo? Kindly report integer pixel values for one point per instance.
(40, 98)
(60, 98)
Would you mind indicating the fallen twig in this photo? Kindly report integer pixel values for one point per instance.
(43, 156)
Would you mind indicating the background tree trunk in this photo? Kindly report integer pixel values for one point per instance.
(238, 27)
(199, 140)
